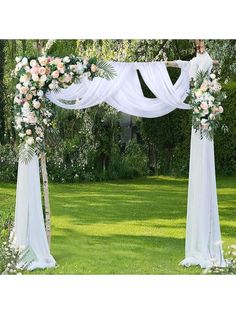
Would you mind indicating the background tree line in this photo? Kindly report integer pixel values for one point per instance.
(90, 144)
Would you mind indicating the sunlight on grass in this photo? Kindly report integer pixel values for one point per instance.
(125, 227)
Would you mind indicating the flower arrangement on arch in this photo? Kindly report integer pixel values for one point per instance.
(205, 98)
(36, 76)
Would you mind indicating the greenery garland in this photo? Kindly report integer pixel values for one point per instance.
(36, 76)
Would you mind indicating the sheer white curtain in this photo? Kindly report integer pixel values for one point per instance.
(125, 94)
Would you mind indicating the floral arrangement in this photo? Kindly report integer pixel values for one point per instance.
(230, 268)
(8, 259)
(8, 253)
(206, 98)
(36, 76)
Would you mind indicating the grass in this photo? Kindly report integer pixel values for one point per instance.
(125, 227)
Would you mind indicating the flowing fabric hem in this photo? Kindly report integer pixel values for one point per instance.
(48, 263)
(203, 263)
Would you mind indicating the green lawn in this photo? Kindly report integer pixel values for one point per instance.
(125, 227)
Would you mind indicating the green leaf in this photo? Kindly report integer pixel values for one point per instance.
(26, 153)
(109, 71)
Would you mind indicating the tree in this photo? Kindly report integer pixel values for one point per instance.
(2, 90)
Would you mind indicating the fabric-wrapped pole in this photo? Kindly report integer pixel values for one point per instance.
(203, 240)
(29, 234)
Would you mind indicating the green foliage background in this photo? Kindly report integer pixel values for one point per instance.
(87, 145)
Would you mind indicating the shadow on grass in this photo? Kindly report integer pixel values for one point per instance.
(125, 201)
(119, 254)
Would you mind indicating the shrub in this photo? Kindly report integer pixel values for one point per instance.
(8, 163)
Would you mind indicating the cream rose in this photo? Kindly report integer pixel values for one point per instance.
(30, 140)
(43, 60)
(36, 104)
(35, 77)
(28, 132)
(221, 109)
(93, 68)
(198, 93)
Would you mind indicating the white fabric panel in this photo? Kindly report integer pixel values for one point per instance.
(29, 230)
(203, 239)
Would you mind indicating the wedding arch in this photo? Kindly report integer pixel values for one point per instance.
(74, 83)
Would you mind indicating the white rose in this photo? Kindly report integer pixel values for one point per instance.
(24, 78)
(30, 140)
(24, 61)
(21, 135)
(211, 116)
(203, 121)
(18, 59)
(18, 86)
(51, 86)
(43, 78)
(35, 77)
(80, 68)
(38, 139)
(18, 66)
(43, 60)
(17, 100)
(36, 104)
(66, 59)
(33, 63)
(26, 106)
(40, 93)
(212, 76)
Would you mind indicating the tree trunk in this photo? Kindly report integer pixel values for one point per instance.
(45, 177)
(46, 197)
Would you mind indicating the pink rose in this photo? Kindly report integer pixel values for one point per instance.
(42, 71)
(24, 90)
(203, 87)
(55, 74)
(29, 96)
(68, 78)
(60, 66)
(48, 70)
(215, 109)
(204, 106)
(31, 118)
(34, 70)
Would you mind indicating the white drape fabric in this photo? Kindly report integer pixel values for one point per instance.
(203, 239)
(125, 94)
(29, 231)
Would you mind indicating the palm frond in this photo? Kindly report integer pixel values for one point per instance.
(109, 71)
(26, 153)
